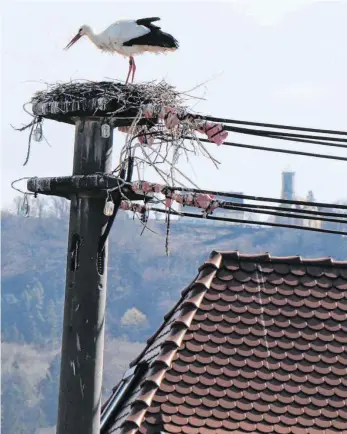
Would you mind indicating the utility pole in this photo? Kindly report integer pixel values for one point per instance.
(85, 291)
(89, 188)
(86, 277)
(86, 273)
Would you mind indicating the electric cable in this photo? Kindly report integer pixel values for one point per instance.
(252, 222)
(282, 151)
(260, 198)
(268, 125)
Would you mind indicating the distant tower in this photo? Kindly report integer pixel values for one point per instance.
(310, 196)
(288, 185)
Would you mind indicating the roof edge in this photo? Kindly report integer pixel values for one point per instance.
(202, 278)
(326, 261)
(188, 304)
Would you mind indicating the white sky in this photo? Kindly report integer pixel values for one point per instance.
(278, 61)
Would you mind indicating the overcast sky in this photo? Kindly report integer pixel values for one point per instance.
(278, 61)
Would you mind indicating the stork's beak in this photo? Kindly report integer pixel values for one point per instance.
(73, 40)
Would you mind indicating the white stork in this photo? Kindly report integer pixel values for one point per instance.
(129, 38)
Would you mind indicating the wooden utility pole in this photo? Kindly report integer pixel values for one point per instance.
(85, 292)
(86, 274)
(90, 185)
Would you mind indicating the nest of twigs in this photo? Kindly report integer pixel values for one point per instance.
(105, 99)
(151, 141)
(158, 128)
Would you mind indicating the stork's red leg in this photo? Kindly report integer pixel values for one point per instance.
(134, 69)
(130, 68)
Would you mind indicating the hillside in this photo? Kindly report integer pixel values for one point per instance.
(143, 284)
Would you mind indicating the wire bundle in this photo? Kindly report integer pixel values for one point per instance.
(251, 222)
(321, 137)
(304, 210)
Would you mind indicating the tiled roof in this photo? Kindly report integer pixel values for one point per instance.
(256, 344)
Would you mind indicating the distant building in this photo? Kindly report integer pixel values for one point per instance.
(308, 222)
(288, 193)
(288, 185)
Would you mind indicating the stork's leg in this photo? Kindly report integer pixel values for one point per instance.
(134, 69)
(131, 62)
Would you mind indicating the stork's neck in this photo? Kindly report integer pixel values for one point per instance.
(91, 35)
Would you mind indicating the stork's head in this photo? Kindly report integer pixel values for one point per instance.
(83, 30)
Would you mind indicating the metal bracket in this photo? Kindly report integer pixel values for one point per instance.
(95, 185)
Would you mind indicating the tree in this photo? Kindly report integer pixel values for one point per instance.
(37, 206)
(53, 320)
(60, 207)
(21, 408)
(49, 388)
(17, 204)
(134, 318)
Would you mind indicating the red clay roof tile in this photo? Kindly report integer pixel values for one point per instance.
(256, 344)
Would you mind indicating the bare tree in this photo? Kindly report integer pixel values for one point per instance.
(60, 207)
(17, 204)
(41, 204)
(37, 206)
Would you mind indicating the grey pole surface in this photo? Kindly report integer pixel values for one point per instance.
(85, 292)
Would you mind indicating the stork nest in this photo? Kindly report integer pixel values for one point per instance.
(150, 143)
(154, 141)
(105, 99)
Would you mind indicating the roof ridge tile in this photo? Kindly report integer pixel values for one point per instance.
(290, 260)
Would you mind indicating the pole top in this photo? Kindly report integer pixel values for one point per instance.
(115, 101)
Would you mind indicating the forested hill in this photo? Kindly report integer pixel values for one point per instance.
(143, 284)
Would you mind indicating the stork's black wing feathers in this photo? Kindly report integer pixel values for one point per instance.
(147, 22)
(155, 38)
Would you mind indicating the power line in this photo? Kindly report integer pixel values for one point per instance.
(282, 151)
(312, 142)
(280, 214)
(276, 126)
(258, 223)
(279, 208)
(260, 198)
(256, 124)
(187, 200)
(267, 133)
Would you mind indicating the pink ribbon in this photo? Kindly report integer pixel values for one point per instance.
(157, 188)
(145, 187)
(135, 207)
(171, 118)
(201, 200)
(204, 200)
(148, 111)
(214, 132)
(123, 129)
(168, 202)
(147, 139)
